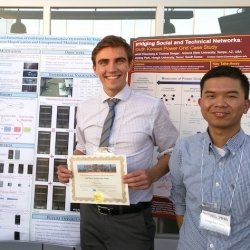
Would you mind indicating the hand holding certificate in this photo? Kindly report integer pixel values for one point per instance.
(98, 179)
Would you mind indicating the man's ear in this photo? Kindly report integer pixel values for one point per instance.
(199, 101)
(247, 105)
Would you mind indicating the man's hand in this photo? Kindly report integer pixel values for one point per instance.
(143, 179)
(138, 179)
(63, 173)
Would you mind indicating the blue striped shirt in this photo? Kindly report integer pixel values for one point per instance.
(218, 182)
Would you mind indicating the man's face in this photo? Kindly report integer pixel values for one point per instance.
(112, 67)
(222, 103)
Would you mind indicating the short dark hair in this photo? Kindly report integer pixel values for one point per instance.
(112, 41)
(227, 71)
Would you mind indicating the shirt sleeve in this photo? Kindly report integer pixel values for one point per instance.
(178, 191)
(80, 141)
(165, 133)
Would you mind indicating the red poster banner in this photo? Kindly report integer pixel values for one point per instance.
(191, 53)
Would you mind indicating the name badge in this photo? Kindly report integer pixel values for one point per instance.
(215, 222)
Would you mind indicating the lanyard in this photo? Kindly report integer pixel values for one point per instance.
(237, 176)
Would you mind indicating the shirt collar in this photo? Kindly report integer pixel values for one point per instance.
(233, 144)
(122, 95)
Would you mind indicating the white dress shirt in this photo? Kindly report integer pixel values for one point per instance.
(141, 123)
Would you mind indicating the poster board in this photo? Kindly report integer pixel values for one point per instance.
(170, 68)
(42, 79)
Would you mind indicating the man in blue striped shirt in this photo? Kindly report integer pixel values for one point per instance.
(211, 171)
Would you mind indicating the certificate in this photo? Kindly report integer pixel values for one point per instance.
(97, 179)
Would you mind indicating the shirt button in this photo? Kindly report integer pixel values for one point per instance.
(220, 164)
(211, 245)
(217, 184)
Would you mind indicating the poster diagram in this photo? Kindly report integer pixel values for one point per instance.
(15, 123)
(179, 94)
(16, 168)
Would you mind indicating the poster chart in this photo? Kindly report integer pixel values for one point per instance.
(170, 68)
(16, 164)
(17, 142)
(42, 79)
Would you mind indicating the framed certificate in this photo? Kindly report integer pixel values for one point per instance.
(98, 179)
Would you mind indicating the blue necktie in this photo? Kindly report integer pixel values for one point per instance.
(106, 130)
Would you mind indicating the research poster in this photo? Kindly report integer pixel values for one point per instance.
(170, 68)
(42, 79)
